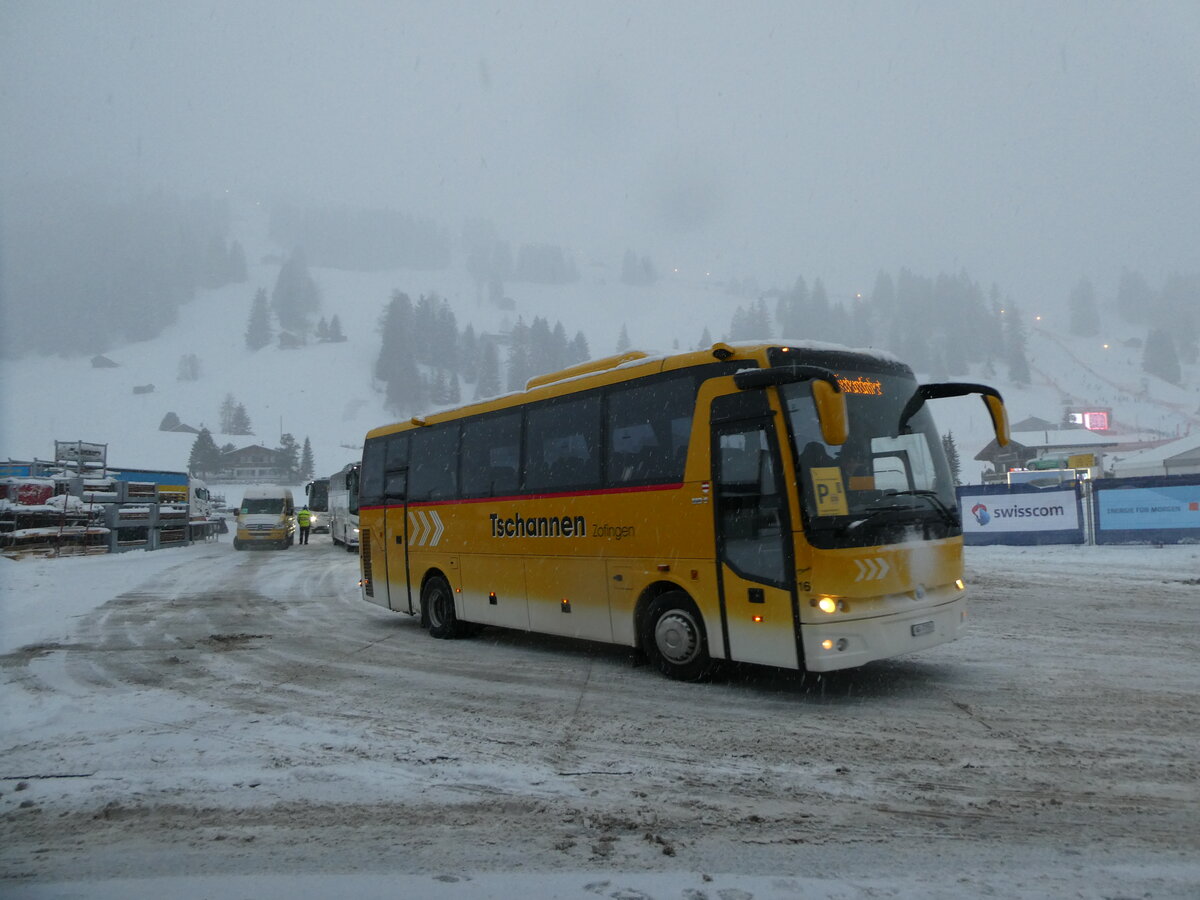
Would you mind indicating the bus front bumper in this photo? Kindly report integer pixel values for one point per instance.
(854, 642)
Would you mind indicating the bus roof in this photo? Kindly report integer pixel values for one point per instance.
(621, 367)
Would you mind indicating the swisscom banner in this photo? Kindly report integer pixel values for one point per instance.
(1019, 514)
(1138, 510)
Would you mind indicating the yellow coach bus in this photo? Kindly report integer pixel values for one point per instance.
(788, 505)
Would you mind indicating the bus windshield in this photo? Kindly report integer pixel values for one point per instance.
(888, 483)
(318, 495)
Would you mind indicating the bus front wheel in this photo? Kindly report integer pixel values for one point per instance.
(673, 638)
(437, 607)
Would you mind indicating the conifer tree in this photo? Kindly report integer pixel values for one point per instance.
(559, 350)
(952, 457)
(306, 460)
(336, 335)
(1159, 357)
(623, 342)
(541, 353)
(637, 271)
(883, 295)
(322, 331)
(706, 340)
(1014, 342)
(1178, 309)
(205, 458)
(792, 311)
(287, 457)
(295, 295)
(577, 350)
(1084, 317)
(519, 363)
(225, 416)
(444, 337)
(258, 329)
(440, 389)
(396, 365)
(488, 382)
(818, 304)
(240, 423)
(468, 355)
(1134, 299)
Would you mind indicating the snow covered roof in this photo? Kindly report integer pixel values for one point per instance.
(1164, 459)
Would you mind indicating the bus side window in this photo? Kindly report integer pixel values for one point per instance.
(397, 452)
(371, 480)
(562, 448)
(433, 463)
(352, 493)
(490, 453)
(648, 430)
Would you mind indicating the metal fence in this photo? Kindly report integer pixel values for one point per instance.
(1150, 510)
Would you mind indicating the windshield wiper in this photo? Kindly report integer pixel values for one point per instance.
(877, 512)
(949, 516)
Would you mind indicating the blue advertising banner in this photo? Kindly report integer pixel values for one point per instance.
(1020, 514)
(1162, 510)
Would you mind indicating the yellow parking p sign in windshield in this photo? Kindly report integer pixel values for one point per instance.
(829, 491)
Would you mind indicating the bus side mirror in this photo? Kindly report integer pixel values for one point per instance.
(991, 399)
(831, 411)
(999, 418)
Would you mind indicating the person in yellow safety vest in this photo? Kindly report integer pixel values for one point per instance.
(304, 520)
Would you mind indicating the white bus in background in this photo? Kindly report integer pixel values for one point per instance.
(317, 492)
(343, 507)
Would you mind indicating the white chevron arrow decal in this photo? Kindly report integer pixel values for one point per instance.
(438, 526)
(872, 569)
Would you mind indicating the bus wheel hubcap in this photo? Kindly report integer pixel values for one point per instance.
(437, 608)
(676, 637)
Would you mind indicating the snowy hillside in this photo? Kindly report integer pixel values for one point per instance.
(324, 392)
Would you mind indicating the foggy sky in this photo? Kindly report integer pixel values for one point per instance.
(1027, 143)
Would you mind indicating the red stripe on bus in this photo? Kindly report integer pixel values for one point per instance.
(514, 497)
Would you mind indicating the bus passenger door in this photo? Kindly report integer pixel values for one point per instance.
(753, 534)
(395, 537)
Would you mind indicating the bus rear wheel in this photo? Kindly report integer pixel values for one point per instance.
(674, 640)
(437, 608)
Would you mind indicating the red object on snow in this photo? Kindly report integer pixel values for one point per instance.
(34, 494)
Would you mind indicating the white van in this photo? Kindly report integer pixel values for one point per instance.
(267, 516)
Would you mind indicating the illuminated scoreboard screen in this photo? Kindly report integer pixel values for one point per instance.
(1091, 419)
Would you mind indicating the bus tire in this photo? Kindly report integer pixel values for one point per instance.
(437, 608)
(237, 545)
(674, 640)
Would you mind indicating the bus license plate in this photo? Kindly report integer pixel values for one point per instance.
(922, 628)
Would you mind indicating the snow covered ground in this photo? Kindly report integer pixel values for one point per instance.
(199, 722)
